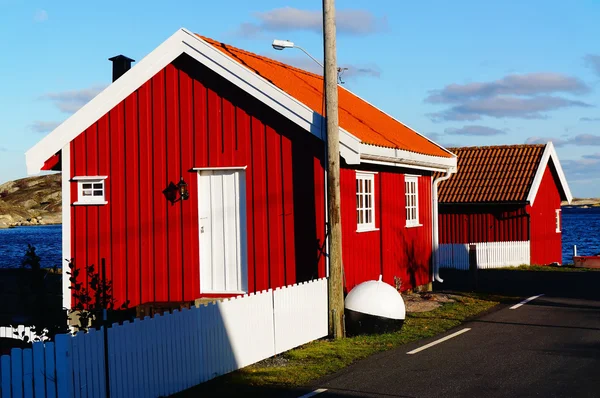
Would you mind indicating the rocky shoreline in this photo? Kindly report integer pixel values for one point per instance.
(31, 201)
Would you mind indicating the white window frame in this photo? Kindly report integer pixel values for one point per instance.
(558, 221)
(365, 208)
(411, 201)
(90, 200)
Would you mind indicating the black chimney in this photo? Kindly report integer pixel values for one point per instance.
(121, 64)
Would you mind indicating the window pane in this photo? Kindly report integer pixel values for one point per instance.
(360, 216)
(360, 201)
(97, 193)
(86, 193)
(86, 186)
(369, 217)
(98, 186)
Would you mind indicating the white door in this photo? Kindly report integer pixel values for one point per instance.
(222, 213)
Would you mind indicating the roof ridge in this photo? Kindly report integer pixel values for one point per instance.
(255, 55)
(508, 146)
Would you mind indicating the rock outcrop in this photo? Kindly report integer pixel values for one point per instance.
(31, 201)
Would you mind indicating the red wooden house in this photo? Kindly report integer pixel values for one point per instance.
(506, 194)
(245, 134)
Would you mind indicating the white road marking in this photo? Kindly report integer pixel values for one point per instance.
(514, 307)
(426, 346)
(312, 394)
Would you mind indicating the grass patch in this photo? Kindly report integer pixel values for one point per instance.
(300, 366)
(547, 268)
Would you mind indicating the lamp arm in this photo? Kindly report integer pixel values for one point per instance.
(306, 52)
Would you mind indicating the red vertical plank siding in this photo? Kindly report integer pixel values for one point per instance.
(104, 226)
(393, 250)
(191, 267)
(132, 202)
(117, 200)
(244, 132)
(215, 129)
(146, 171)
(288, 211)
(546, 243)
(91, 152)
(181, 119)
(74, 230)
(275, 208)
(320, 215)
(482, 223)
(160, 182)
(174, 237)
(260, 205)
(200, 125)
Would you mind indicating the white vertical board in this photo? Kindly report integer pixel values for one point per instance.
(300, 313)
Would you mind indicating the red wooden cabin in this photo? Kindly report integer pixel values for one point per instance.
(245, 135)
(507, 193)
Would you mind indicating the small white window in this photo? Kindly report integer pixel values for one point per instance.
(411, 189)
(557, 220)
(90, 190)
(365, 201)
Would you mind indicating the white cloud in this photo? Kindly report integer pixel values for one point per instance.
(474, 130)
(43, 126)
(40, 16)
(577, 140)
(527, 96)
(288, 19)
(70, 101)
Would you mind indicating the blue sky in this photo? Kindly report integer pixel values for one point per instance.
(461, 72)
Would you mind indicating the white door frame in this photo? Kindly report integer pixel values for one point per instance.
(242, 228)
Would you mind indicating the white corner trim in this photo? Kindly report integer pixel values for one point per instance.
(549, 153)
(87, 178)
(66, 223)
(219, 168)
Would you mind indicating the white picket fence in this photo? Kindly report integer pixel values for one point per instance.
(489, 254)
(166, 354)
(17, 332)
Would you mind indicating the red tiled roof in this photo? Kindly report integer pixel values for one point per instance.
(492, 174)
(356, 116)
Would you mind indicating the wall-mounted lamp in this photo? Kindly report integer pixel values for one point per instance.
(172, 191)
(183, 189)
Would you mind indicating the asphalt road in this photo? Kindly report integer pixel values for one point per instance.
(549, 347)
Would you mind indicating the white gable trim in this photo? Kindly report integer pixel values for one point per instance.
(184, 41)
(549, 153)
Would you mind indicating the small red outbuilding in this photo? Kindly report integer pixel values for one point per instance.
(506, 194)
(244, 134)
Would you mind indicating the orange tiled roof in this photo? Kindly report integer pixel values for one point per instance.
(356, 116)
(492, 174)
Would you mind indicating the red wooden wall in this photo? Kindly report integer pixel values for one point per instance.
(482, 223)
(186, 117)
(546, 243)
(392, 250)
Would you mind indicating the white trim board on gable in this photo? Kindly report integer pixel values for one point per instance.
(186, 42)
(549, 153)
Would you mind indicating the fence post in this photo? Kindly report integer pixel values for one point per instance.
(473, 265)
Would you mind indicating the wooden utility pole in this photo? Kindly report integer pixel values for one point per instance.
(336, 287)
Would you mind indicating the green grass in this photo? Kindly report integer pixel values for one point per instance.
(547, 268)
(323, 357)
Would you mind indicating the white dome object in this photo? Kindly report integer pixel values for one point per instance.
(376, 298)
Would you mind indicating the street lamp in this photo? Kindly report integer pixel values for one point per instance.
(283, 44)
